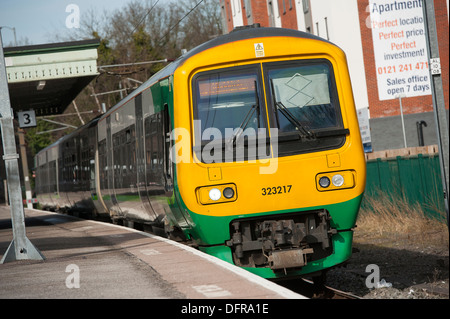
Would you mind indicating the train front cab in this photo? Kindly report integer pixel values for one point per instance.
(284, 211)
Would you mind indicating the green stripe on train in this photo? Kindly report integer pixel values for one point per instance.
(216, 230)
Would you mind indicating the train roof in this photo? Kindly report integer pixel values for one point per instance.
(238, 34)
(248, 32)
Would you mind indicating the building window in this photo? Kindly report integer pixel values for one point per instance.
(248, 8)
(305, 6)
(326, 28)
(235, 7)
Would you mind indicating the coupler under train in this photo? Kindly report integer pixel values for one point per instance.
(281, 242)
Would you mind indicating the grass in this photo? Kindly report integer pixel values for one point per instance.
(394, 217)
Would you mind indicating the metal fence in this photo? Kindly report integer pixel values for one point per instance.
(416, 179)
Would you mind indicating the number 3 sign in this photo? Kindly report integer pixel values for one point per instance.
(27, 118)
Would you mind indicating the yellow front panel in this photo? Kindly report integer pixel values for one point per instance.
(292, 183)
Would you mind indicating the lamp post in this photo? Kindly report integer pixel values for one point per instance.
(437, 92)
(399, 96)
(20, 248)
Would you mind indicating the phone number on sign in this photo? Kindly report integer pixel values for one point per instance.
(402, 68)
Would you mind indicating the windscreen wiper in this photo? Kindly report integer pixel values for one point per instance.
(255, 107)
(332, 132)
(302, 130)
(242, 127)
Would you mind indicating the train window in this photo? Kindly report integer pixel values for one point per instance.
(228, 109)
(304, 105)
(302, 95)
(224, 99)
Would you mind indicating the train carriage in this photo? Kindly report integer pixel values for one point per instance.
(248, 145)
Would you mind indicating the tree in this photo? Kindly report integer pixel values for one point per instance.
(202, 24)
(35, 141)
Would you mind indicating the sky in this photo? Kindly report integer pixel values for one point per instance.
(40, 20)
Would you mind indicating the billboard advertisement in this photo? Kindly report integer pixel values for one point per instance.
(400, 50)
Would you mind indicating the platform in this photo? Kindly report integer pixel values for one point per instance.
(90, 259)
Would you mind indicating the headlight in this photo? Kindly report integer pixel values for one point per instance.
(216, 194)
(228, 192)
(324, 182)
(335, 180)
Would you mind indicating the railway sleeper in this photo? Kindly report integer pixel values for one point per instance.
(281, 242)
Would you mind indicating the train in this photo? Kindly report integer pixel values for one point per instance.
(247, 146)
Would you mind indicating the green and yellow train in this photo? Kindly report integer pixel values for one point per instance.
(248, 145)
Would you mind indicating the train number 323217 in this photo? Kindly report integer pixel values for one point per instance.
(276, 190)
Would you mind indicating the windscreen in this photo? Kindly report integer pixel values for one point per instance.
(303, 96)
(224, 100)
(233, 106)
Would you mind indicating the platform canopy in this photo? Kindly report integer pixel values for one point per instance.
(47, 77)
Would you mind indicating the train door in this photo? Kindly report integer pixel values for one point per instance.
(67, 152)
(115, 209)
(85, 203)
(97, 171)
(169, 165)
(168, 171)
(158, 171)
(141, 160)
(61, 176)
(155, 161)
(47, 187)
(73, 193)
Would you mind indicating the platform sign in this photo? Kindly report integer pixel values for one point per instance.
(26, 119)
(364, 128)
(399, 43)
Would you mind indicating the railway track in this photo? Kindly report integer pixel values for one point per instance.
(307, 288)
(332, 293)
